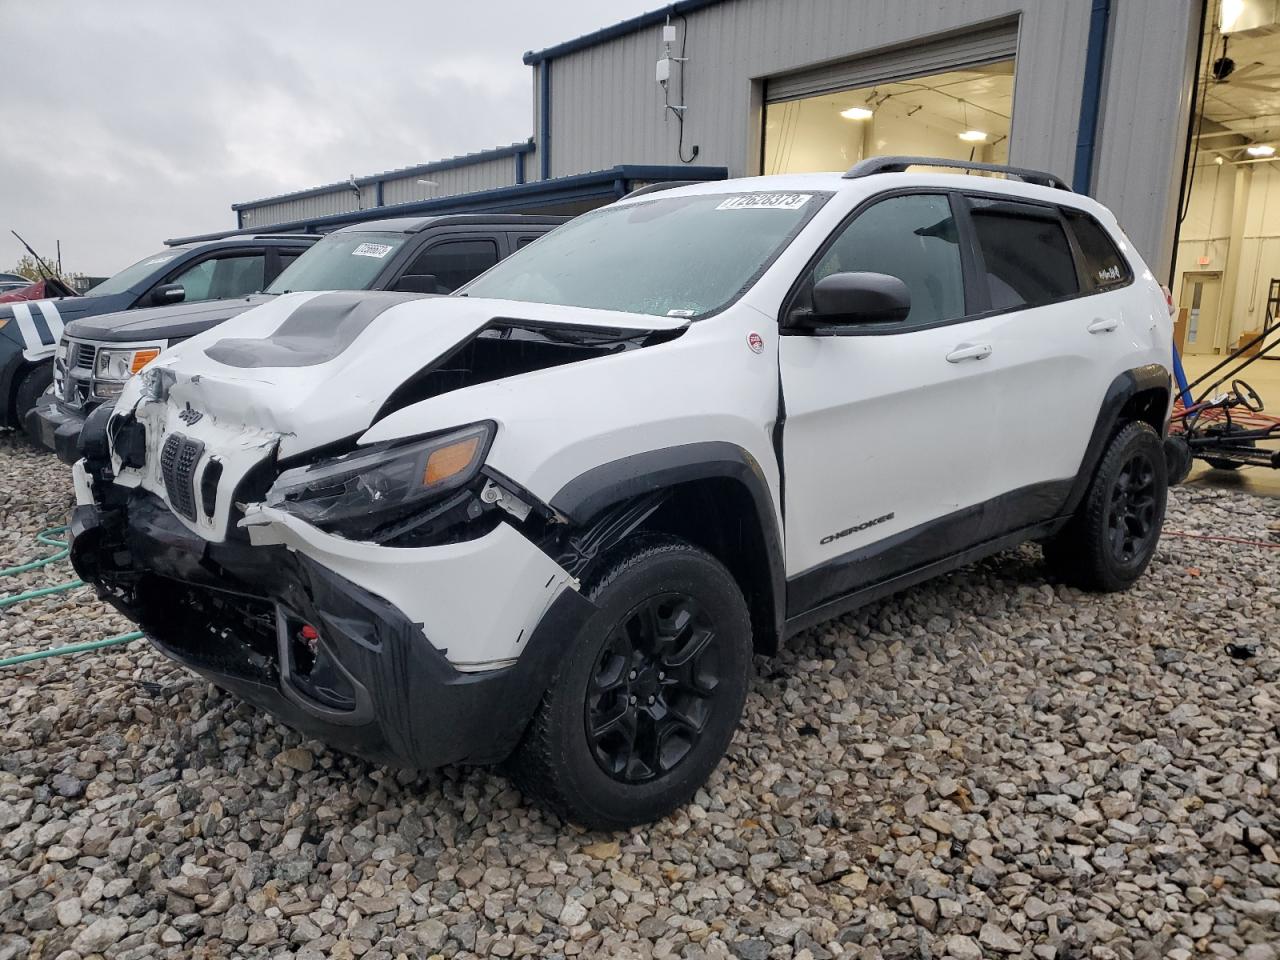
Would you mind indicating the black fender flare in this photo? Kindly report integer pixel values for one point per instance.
(12, 366)
(1122, 390)
(640, 474)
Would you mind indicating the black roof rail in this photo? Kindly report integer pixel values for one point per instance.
(874, 165)
(660, 185)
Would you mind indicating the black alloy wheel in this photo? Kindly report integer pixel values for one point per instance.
(1114, 531)
(651, 688)
(1131, 521)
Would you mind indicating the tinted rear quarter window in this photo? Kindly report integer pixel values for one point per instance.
(1025, 253)
(1104, 265)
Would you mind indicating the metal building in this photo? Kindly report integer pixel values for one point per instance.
(1115, 96)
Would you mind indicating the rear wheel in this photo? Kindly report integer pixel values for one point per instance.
(648, 695)
(1113, 535)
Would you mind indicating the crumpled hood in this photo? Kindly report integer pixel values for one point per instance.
(315, 368)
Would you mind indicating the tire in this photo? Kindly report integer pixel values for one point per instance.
(1225, 432)
(644, 759)
(1177, 460)
(35, 382)
(1113, 535)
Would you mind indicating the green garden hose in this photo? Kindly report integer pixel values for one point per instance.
(49, 538)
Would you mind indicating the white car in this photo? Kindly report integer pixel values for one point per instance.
(549, 519)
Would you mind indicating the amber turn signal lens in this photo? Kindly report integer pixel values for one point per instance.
(450, 461)
(141, 358)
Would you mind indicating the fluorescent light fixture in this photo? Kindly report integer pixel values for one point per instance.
(974, 136)
(856, 113)
(1260, 150)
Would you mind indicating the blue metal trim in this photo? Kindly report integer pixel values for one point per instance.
(519, 168)
(617, 30)
(1091, 95)
(466, 160)
(544, 119)
(377, 193)
(239, 220)
(1180, 378)
(599, 184)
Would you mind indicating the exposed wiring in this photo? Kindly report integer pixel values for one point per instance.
(1204, 94)
(679, 111)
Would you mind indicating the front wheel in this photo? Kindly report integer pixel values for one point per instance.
(34, 383)
(1113, 534)
(648, 694)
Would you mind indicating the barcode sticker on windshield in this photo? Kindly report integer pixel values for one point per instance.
(378, 250)
(765, 201)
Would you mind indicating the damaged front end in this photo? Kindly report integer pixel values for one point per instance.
(400, 599)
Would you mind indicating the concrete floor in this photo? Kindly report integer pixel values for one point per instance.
(1263, 376)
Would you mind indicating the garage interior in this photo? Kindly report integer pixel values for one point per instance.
(957, 114)
(1226, 275)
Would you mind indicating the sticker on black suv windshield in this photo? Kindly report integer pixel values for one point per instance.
(378, 250)
(765, 201)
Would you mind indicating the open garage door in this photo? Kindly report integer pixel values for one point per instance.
(952, 97)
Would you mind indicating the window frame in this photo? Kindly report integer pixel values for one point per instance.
(1056, 215)
(1078, 251)
(224, 253)
(968, 270)
(441, 240)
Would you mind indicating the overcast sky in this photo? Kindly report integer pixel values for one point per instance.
(126, 123)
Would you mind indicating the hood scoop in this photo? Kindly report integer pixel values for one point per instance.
(316, 332)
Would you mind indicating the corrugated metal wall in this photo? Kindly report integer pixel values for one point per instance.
(607, 107)
(484, 174)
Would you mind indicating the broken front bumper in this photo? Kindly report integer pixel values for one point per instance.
(316, 649)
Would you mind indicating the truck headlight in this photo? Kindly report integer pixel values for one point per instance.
(361, 490)
(122, 364)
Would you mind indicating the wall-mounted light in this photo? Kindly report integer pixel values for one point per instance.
(1260, 150)
(974, 136)
(857, 113)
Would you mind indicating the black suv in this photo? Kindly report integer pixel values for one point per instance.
(30, 329)
(426, 255)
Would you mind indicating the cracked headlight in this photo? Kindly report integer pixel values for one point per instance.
(362, 490)
(122, 364)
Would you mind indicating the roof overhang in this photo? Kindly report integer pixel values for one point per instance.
(618, 30)
(602, 186)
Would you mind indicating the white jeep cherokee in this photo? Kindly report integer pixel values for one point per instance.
(550, 518)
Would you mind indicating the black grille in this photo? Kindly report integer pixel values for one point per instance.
(178, 459)
(82, 355)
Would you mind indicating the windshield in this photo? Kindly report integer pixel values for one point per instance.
(341, 261)
(129, 276)
(670, 256)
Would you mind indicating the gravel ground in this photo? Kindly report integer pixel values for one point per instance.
(989, 765)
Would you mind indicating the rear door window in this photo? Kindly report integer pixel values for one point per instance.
(455, 262)
(1024, 253)
(1104, 265)
(223, 277)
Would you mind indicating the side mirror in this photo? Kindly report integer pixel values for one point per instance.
(168, 293)
(419, 283)
(847, 298)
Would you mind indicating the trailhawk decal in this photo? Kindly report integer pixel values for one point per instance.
(856, 528)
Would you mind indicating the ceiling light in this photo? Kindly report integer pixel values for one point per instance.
(974, 136)
(1218, 161)
(856, 113)
(1260, 150)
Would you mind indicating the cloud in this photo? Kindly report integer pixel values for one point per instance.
(137, 122)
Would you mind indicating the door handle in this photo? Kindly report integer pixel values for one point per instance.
(1103, 325)
(969, 351)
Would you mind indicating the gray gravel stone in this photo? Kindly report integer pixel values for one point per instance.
(991, 764)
